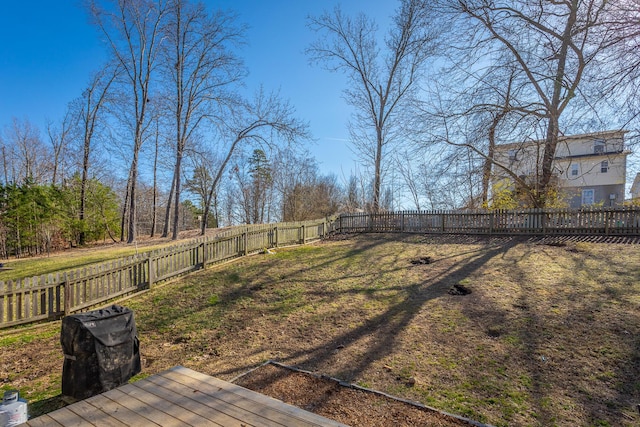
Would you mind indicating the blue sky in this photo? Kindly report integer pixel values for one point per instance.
(48, 51)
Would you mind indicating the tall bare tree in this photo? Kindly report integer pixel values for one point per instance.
(474, 110)
(26, 157)
(132, 31)
(555, 48)
(200, 65)
(622, 83)
(154, 188)
(5, 162)
(90, 112)
(292, 169)
(381, 87)
(60, 137)
(263, 121)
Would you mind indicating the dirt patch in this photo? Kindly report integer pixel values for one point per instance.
(341, 402)
(422, 260)
(458, 289)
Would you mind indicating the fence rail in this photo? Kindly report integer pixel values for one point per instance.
(52, 296)
(606, 221)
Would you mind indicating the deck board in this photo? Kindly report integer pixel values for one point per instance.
(181, 397)
(95, 416)
(118, 411)
(222, 412)
(248, 400)
(154, 416)
(257, 407)
(44, 421)
(157, 402)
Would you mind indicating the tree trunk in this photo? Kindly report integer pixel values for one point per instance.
(378, 173)
(167, 212)
(551, 140)
(154, 214)
(83, 192)
(132, 226)
(176, 207)
(123, 220)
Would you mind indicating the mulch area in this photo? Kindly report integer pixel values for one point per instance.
(342, 402)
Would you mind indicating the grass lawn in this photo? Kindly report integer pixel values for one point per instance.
(549, 335)
(18, 268)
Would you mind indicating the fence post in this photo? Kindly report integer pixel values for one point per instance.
(137, 275)
(151, 270)
(304, 235)
(442, 216)
(245, 239)
(10, 292)
(204, 253)
(491, 219)
(50, 297)
(67, 294)
(275, 235)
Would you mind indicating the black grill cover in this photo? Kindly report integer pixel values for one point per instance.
(101, 351)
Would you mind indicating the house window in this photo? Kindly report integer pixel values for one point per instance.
(588, 197)
(513, 155)
(604, 166)
(574, 170)
(598, 146)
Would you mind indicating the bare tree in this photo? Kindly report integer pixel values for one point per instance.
(60, 138)
(26, 157)
(200, 66)
(154, 188)
(407, 167)
(355, 199)
(264, 121)
(291, 169)
(132, 31)
(5, 161)
(619, 88)
(89, 111)
(474, 110)
(381, 87)
(554, 48)
(242, 204)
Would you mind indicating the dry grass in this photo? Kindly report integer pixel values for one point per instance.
(19, 268)
(550, 335)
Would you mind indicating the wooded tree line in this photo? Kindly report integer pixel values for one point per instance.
(169, 105)
(432, 96)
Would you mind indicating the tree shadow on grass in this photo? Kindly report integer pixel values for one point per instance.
(385, 328)
(579, 356)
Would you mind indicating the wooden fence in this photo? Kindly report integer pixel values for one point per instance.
(55, 295)
(606, 221)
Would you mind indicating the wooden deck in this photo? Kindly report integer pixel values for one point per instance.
(180, 397)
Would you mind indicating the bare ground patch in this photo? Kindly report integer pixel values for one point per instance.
(341, 402)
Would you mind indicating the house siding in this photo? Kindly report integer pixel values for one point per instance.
(582, 153)
(602, 195)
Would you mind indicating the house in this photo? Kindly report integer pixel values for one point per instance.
(589, 169)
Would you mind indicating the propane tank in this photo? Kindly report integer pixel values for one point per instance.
(13, 410)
